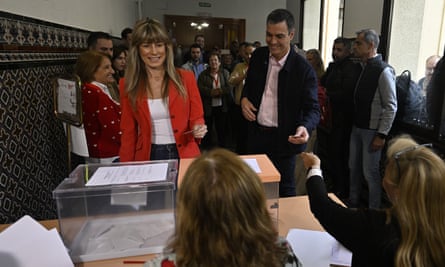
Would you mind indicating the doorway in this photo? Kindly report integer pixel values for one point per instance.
(217, 31)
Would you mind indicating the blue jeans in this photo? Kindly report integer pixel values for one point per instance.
(364, 163)
(161, 152)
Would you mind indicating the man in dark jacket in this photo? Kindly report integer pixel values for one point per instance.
(339, 80)
(375, 106)
(435, 93)
(280, 100)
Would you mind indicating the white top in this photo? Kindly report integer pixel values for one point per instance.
(162, 131)
(216, 101)
(103, 87)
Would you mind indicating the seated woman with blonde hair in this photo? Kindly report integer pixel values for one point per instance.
(411, 232)
(222, 218)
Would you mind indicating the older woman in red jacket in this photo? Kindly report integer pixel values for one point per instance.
(162, 115)
(101, 113)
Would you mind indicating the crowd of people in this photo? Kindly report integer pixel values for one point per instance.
(133, 77)
(241, 104)
(142, 102)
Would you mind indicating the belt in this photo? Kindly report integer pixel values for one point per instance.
(266, 128)
(166, 146)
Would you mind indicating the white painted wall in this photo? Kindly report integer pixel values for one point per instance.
(414, 35)
(406, 36)
(253, 11)
(294, 7)
(113, 15)
(332, 29)
(362, 14)
(311, 30)
(94, 15)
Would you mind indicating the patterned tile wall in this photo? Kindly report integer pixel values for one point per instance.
(33, 149)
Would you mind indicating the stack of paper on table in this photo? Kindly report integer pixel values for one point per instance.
(26, 243)
(318, 249)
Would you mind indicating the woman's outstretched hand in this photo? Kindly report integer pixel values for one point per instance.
(310, 160)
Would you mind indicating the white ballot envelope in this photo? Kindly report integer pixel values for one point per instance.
(318, 249)
(26, 243)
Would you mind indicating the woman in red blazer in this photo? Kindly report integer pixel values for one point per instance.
(162, 115)
(101, 112)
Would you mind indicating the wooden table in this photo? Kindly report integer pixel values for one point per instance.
(294, 212)
(268, 174)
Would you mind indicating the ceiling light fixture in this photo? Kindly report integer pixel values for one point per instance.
(199, 26)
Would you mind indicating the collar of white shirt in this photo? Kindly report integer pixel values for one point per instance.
(281, 61)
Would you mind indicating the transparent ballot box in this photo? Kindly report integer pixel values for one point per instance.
(117, 210)
(272, 198)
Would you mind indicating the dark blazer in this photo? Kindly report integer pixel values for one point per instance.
(340, 80)
(297, 95)
(367, 233)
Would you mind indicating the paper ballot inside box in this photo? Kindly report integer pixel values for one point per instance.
(125, 174)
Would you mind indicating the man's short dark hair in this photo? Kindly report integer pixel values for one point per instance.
(195, 45)
(345, 41)
(125, 32)
(94, 36)
(280, 15)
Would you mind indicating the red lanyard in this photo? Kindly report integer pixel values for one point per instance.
(215, 80)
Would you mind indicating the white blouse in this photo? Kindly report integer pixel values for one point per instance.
(162, 130)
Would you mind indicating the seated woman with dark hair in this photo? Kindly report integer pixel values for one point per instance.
(222, 218)
(411, 232)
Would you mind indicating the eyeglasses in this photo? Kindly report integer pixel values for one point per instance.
(397, 155)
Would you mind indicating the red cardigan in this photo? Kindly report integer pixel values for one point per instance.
(136, 125)
(101, 119)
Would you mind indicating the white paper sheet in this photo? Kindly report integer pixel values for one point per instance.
(66, 97)
(28, 244)
(318, 249)
(340, 255)
(253, 164)
(78, 140)
(129, 174)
